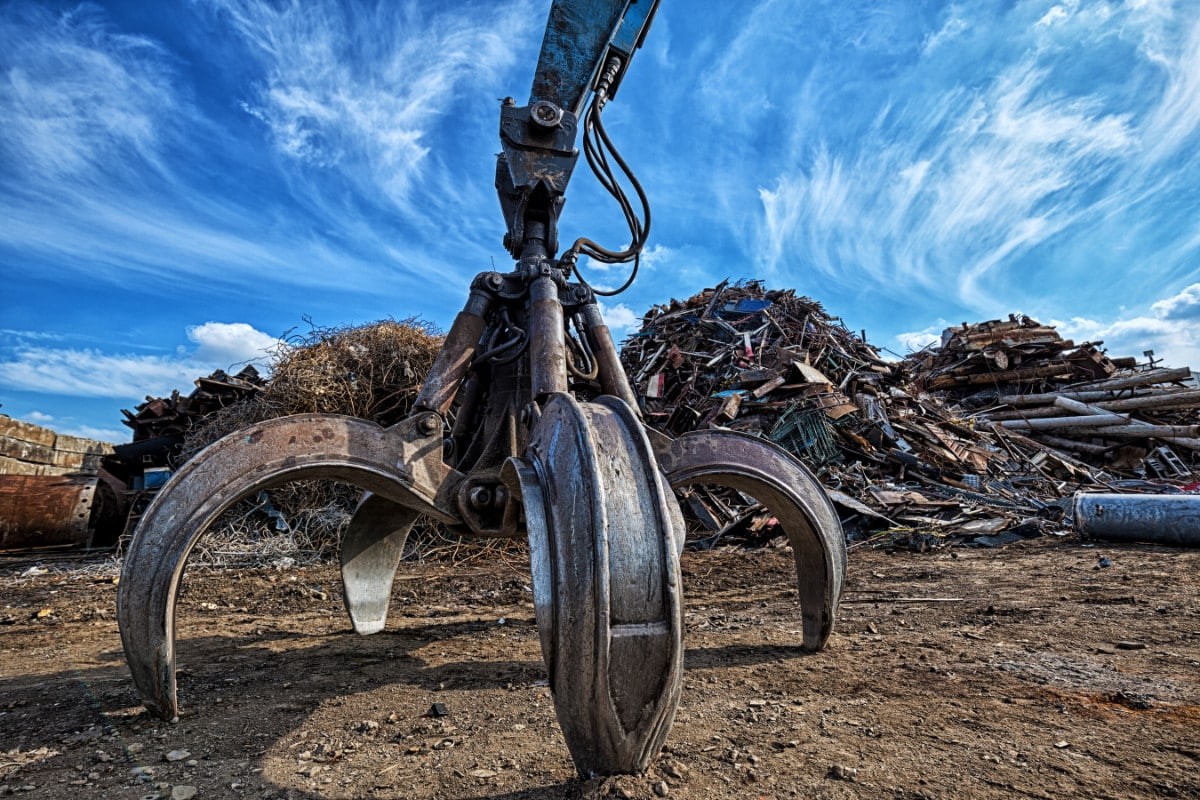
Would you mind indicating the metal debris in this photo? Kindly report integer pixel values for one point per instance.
(943, 446)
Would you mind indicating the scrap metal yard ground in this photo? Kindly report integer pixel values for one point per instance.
(1031, 671)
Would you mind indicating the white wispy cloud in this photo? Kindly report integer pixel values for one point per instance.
(943, 192)
(78, 97)
(941, 168)
(621, 319)
(910, 341)
(360, 89)
(112, 170)
(84, 372)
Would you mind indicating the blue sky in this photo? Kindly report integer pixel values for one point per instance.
(181, 183)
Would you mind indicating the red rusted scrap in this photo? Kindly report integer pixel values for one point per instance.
(45, 510)
(1017, 351)
(174, 415)
(53, 491)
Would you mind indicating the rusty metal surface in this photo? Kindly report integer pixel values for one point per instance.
(605, 531)
(606, 581)
(782, 484)
(454, 360)
(44, 510)
(613, 380)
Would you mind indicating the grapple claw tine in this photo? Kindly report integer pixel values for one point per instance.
(782, 484)
(370, 552)
(605, 580)
(259, 457)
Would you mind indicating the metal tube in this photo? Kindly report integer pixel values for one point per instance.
(1159, 518)
(547, 339)
(454, 359)
(612, 377)
(1060, 423)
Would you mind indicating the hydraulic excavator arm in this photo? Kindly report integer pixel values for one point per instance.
(586, 50)
(526, 425)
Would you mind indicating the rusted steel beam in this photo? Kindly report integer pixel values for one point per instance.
(613, 380)
(1048, 371)
(1059, 423)
(1071, 444)
(547, 339)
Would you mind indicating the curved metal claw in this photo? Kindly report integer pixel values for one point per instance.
(259, 457)
(601, 523)
(782, 484)
(370, 553)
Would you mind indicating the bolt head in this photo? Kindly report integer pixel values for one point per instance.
(546, 114)
(480, 497)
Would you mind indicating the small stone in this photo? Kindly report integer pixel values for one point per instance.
(843, 773)
(183, 792)
(103, 756)
(135, 747)
(482, 773)
(1131, 645)
(367, 726)
(177, 755)
(438, 710)
(672, 770)
(1062, 743)
(662, 789)
(143, 772)
(193, 762)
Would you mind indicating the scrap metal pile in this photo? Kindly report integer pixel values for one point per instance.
(900, 455)
(1019, 351)
(1073, 400)
(178, 414)
(160, 425)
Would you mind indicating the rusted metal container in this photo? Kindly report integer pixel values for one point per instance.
(53, 491)
(45, 510)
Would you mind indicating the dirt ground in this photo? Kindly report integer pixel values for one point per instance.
(1031, 671)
